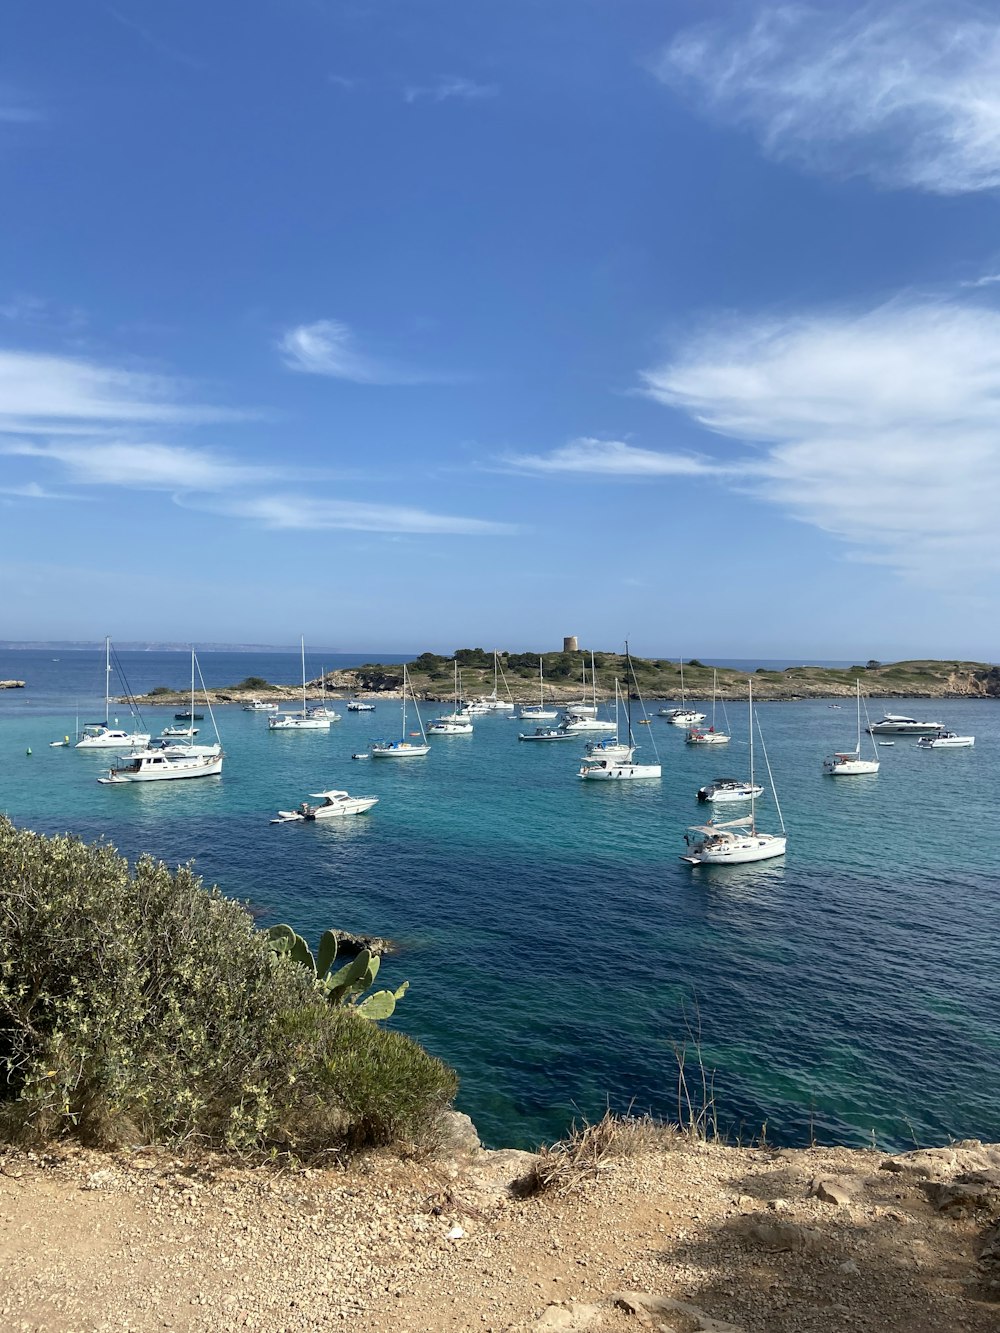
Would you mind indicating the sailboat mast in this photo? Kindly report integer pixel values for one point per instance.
(107, 680)
(858, 683)
(753, 798)
(404, 701)
(302, 643)
(541, 686)
(628, 691)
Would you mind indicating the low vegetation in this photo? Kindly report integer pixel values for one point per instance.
(136, 1005)
(588, 1149)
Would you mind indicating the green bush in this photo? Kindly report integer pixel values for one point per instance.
(254, 683)
(136, 1005)
(162, 689)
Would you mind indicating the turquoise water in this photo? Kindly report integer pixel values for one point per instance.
(557, 948)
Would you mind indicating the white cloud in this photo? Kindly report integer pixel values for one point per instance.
(451, 86)
(881, 428)
(288, 511)
(142, 465)
(613, 458)
(908, 94)
(40, 388)
(328, 347)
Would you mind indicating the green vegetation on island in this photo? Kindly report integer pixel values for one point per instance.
(432, 676)
(138, 1006)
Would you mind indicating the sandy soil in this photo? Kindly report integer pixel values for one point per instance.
(704, 1237)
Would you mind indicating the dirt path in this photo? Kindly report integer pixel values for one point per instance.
(713, 1238)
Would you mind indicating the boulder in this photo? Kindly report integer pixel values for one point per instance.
(946, 1163)
(644, 1303)
(832, 1189)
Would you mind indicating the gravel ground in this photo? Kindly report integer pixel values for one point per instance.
(678, 1236)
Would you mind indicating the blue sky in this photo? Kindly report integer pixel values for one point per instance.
(402, 323)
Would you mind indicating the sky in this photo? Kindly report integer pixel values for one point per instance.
(428, 323)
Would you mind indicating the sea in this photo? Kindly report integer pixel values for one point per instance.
(560, 955)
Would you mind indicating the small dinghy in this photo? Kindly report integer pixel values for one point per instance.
(362, 754)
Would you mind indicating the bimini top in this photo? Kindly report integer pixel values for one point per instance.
(327, 795)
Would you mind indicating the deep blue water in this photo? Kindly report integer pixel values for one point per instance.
(556, 947)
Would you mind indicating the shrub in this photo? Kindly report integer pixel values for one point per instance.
(162, 689)
(254, 683)
(137, 1005)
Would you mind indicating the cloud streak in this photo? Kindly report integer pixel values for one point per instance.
(587, 456)
(908, 95)
(329, 347)
(880, 428)
(451, 87)
(309, 513)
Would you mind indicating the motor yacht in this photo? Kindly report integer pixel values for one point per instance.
(332, 805)
(896, 724)
(948, 740)
(729, 789)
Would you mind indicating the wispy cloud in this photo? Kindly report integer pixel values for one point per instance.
(46, 390)
(32, 491)
(880, 428)
(907, 94)
(329, 347)
(142, 465)
(289, 511)
(16, 109)
(987, 280)
(450, 86)
(613, 458)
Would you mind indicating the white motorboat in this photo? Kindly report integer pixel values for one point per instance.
(729, 789)
(164, 760)
(575, 725)
(104, 736)
(306, 718)
(738, 841)
(178, 730)
(538, 712)
(848, 763)
(897, 724)
(259, 706)
(332, 805)
(682, 716)
(452, 724)
(158, 765)
(948, 740)
(710, 735)
(403, 748)
(612, 765)
(546, 734)
(360, 706)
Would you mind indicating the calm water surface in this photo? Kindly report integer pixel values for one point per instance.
(556, 947)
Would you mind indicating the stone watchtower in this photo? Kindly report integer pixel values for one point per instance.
(570, 644)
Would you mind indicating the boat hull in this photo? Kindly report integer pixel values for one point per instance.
(399, 751)
(617, 772)
(203, 766)
(738, 851)
(298, 723)
(707, 738)
(849, 768)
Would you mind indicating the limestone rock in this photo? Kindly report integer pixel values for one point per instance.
(569, 1318)
(957, 1195)
(776, 1235)
(946, 1163)
(641, 1302)
(832, 1189)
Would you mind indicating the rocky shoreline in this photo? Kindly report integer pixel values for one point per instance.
(675, 1235)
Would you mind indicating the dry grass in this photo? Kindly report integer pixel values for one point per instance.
(589, 1149)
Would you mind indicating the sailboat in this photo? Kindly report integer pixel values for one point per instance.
(736, 841)
(492, 703)
(305, 719)
(613, 766)
(702, 736)
(163, 760)
(403, 748)
(583, 717)
(455, 723)
(102, 735)
(538, 712)
(683, 716)
(848, 763)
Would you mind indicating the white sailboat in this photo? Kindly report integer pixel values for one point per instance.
(305, 718)
(455, 723)
(710, 735)
(737, 841)
(492, 703)
(583, 716)
(614, 767)
(403, 748)
(102, 735)
(848, 763)
(538, 712)
(163, 761)
(683, 716)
